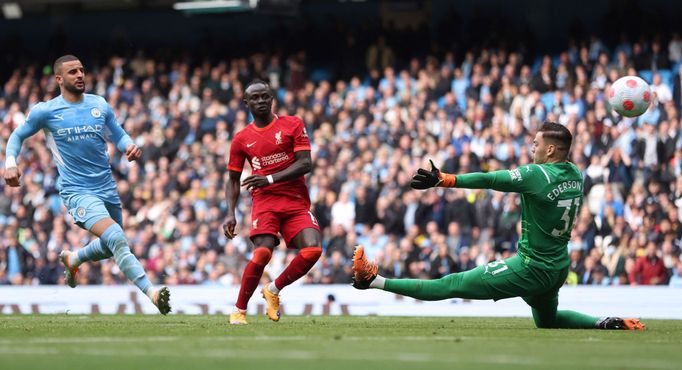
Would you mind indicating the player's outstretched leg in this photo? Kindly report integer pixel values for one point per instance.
(469, 284)
(299, 266)
(617, 323)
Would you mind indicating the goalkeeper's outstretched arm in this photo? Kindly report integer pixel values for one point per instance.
(520, 180)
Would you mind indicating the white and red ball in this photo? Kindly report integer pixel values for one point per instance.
(630, 96)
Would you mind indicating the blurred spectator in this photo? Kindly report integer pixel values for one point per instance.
(442, 262)
(676, 279)
(649, 268)
(467, 110)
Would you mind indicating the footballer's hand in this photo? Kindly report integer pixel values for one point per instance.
(255, 181)
(12, 176)
(425, 179)
(133, 153)
(229, 226)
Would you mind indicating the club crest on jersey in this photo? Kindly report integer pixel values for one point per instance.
(254, 224)
(80, 212)
(278, 137)
(95, 112)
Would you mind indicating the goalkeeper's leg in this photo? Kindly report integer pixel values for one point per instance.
(495, 280)
(546, 315)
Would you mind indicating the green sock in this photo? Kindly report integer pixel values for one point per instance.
(566, 319)
(426, 290)
(450, 286)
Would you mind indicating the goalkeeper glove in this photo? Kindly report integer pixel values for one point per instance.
(425, 179)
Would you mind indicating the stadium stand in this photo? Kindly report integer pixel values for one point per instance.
(473, 111)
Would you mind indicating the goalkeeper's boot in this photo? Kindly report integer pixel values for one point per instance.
(69, 272)
(617, 323)
(238, 317)
(161, 299)
(364, 272)
(271, 303)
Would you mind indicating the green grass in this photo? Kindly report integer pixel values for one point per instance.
(102, 342)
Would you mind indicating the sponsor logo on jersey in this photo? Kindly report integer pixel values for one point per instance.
(254, 224)
(515, 175)
(255, 163)
(95, 112)
(250, 145)
(59, 117)
(278, 137)
(268, 160)
(79, 132)
(305, 132)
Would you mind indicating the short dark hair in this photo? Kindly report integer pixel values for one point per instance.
(558, 134)
(61, 60)
(256, 81)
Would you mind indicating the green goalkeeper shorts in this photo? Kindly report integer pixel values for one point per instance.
(509, 278)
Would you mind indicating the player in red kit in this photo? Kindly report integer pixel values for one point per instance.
(278, 149)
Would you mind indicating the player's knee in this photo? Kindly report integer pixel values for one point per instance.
(544, 324)
(311, 253)
(261, 256)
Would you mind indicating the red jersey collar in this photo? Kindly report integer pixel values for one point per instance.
(276, 117)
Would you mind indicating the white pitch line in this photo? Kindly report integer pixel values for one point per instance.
(28, 351)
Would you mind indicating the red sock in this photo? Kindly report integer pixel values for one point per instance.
(252, 274)
(304, 261)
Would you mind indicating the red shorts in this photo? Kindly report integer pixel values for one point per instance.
(288, 219)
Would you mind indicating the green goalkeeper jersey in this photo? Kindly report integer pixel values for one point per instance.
(551, 195)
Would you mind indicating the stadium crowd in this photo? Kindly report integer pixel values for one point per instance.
(472, 112)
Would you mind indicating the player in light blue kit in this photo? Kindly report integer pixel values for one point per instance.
(75, 126)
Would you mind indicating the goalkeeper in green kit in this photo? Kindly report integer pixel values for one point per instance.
(551, 195)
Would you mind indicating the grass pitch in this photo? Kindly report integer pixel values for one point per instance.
(54, 342)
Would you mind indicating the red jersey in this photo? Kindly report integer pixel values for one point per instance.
(271, 149)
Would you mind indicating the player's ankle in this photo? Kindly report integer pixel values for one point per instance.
(272, 288)
(378, 282)
(151, 292)
(237, 309)
(72, 260)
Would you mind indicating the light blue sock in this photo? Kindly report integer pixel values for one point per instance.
(115, 240)
(94, 251)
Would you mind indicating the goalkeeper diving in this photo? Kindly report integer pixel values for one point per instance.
(551, 196)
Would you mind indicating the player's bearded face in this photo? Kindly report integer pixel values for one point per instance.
(72, 77)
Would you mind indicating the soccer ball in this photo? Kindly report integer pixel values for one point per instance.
(630, 96)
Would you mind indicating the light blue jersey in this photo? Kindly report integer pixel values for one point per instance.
(76, 134)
